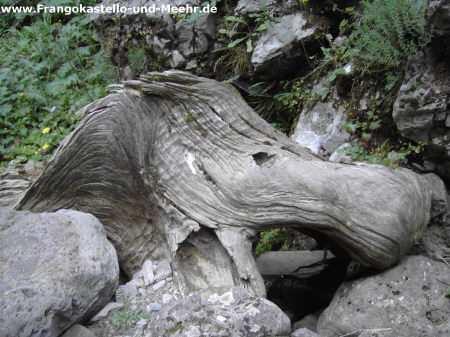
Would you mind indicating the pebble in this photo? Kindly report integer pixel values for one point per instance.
(166, 298)
(159, 285)
(147, 272)
(155, 307)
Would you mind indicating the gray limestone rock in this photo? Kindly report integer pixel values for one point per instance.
(56, 269)
(299, 263)
(320, 128)
(309, 322)
(406, 301)
(439, 17)
(168, 41)
(282, 40)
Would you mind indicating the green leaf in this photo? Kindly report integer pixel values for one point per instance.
(235, 19)
(236, 42)
(374, 125)
(47, 69)
(263, 27)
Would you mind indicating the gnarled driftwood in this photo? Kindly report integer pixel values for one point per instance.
(179, 167)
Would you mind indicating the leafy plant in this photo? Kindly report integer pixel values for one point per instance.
(364, 127)
(297, 95)
(389, 32)
(49, 70)
(233, 60)
(366, 147)
(242, 30)
(126, 317)
(383, 36)
(386, 154)
(238, 34)
(269, 239)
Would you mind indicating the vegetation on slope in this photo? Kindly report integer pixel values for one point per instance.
(51, 66)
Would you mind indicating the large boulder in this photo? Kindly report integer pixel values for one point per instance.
(279, 48)
(56, 269)
(406, 301)
(422, 108)
(320, 128)
(439, 17)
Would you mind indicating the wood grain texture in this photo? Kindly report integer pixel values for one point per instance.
(175, 141)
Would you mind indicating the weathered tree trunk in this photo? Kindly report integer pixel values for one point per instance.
(179, 167)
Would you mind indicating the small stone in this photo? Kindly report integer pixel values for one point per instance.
(138, 281)
(364, 104)
(177, 59)
(221, 319)
(192, 64)
(159, 285)
(154, 307)
(141, 323)
(166, 298)
(147, 272)
(348, 68)
(255, 328)
(447, 121)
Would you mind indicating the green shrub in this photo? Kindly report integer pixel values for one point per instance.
(269, 239)
(238, 34)
(386, 154)
(389, 32)
(48, 71)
